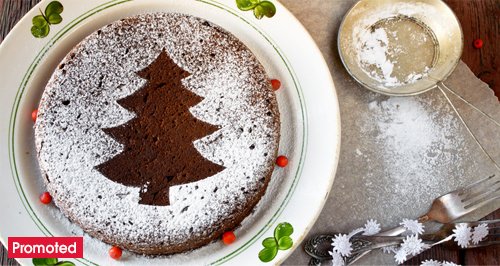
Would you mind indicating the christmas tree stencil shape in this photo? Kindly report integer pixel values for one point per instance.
(158, 143)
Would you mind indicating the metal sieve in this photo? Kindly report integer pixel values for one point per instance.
(421, 42)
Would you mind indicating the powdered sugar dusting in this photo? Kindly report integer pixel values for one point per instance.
(394, 48)
(416, 141)
(80, 100)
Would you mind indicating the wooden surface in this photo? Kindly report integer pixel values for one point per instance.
(479, 19)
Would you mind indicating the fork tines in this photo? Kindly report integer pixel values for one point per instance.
(481, 192)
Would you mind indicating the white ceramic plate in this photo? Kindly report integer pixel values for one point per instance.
(307, 102)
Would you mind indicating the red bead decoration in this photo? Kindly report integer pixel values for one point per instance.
(276, 84)
(34, 114)
(228, 237)
(46, 198)
(281, 161)
(115, 252)
(478, 43)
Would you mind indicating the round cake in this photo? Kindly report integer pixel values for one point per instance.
(157, 133)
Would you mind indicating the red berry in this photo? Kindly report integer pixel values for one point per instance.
(115, 252)
(478, 43)
(34, 114)
(45, 198)
(281, 161)
(228, 237)
(276, 84)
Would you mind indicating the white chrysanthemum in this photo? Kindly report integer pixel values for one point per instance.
(462, 234)
(448, 263)
(391, 249)
(412, 245)
(400, 256)
(372, 227)
(337, 259)
(413, 226)
(342, 245)
(479, 233)
(430, 263)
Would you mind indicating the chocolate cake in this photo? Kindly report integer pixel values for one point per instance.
(157, 133)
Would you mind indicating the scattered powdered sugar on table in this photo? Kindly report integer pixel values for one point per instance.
(80, 100)
(419, 142)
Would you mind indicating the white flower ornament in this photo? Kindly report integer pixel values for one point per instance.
(479, 233)
(413, 226)
(430, 263)
(448, 263)
(462, 234)
(412, 245)
(337, 259)
(342, 245)
(437, 263)
(372, 227)
(400, 256)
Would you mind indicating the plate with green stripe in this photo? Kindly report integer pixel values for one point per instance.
(309, 114)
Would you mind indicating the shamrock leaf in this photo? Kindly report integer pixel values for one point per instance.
(40, 32)
(42, 22)
(283, 229)
(285, 243)
(44, 261)
(54, 18)
(269, 242)
(54, 7)
(260, 8)
(268, 254)
(39, 21)
(280, 241)
(264, 8)
(246, 5)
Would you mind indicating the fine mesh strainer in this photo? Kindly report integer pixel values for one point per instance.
(398, 47)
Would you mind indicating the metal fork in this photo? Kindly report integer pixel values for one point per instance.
(318, 247)
(452, 206)
(458, 203)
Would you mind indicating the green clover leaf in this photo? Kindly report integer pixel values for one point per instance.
(268, 254)
(285, 243)
(40, 32)
(260, 8)
(280, 241)
(283, 229)
(264, 8)
(258, 12)
(44, 261)
(54, 18)
(245, 5)
(42, 22)
(54, 7)
(269, 242)
(39, 21)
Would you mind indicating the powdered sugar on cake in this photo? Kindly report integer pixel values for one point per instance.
(80, 100)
